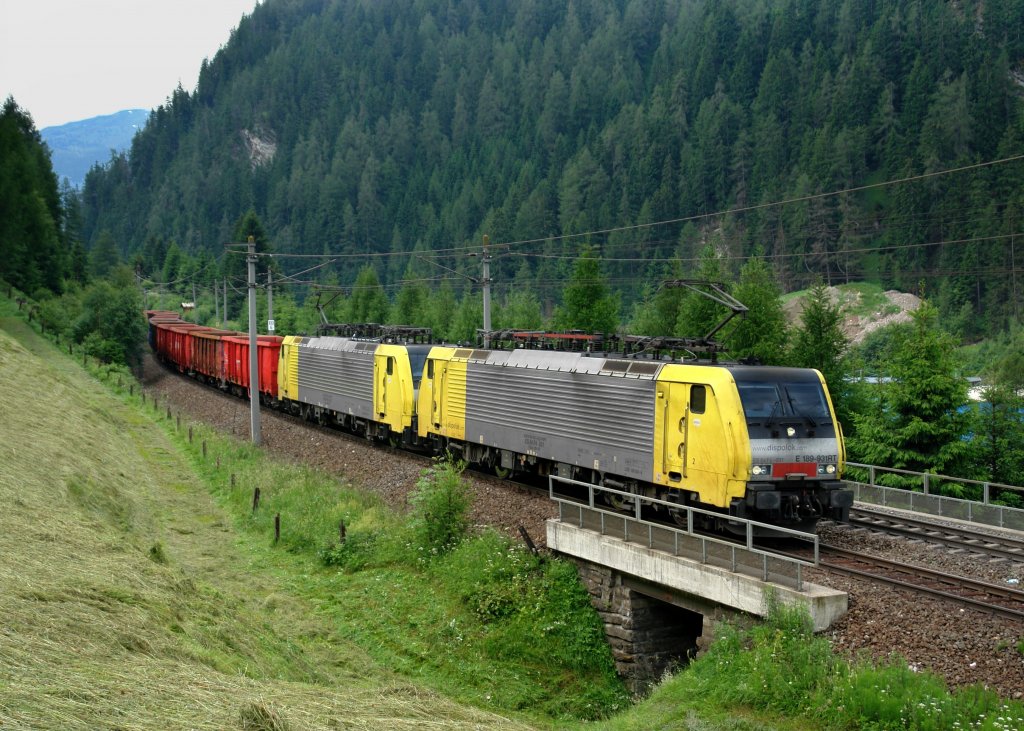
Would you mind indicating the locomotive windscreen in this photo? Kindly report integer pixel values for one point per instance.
(765, 402)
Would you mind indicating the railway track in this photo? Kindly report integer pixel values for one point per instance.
(1004, 547)
(993, 599)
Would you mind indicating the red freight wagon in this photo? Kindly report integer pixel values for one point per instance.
(181, 344)
(164, 339)
(155, 321)
(236, 359)
(208, 354)
(163, 314)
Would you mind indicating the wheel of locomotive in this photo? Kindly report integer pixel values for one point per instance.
(679, 517)
(617, 501)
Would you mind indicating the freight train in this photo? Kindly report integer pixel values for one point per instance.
(753, 442)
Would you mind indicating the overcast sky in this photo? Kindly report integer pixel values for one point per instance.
(66, 60)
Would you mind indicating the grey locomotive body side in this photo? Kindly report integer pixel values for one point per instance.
(562, 408)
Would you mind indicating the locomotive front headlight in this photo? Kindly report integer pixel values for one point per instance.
(761, 469)
(830, 468)
(790, 432)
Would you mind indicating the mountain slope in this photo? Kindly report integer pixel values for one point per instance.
(76, 146)
(384, 128)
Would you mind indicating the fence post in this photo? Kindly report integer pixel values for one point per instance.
(984, 493)
(871, 475)
(925, 475)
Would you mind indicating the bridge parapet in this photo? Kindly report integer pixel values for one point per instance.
(928, 498)
(584, 504)
(655, 586)
(693, 581)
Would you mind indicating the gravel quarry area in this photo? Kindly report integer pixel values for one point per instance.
(963, 646)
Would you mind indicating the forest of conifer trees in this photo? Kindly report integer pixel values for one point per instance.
(389, 129)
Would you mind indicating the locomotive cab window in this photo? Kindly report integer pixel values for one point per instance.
(768, 401)
(698, 399)
(430, 369)
(391, 366)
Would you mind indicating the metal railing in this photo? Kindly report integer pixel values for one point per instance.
(932, 503)
(682, 541)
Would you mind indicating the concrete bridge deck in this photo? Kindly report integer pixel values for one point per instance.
(696, 581)
(658, 588)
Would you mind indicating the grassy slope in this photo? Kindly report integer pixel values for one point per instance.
(128, 601)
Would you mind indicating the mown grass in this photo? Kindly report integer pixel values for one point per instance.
(480, 619)
(128, 600)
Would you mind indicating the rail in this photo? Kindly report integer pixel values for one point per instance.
(685, 542)
(930, 502)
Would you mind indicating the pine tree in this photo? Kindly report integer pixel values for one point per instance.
(409, 307)
(657, 311)
(997, 434)
(467, 318)
(520, 310)
(31, 252)
(819, 342)
(917, 425)
(236, 270)
(698, 315)
(369, 302)
(440, 310)
(104, 257)
(587, 301)
(761, 334)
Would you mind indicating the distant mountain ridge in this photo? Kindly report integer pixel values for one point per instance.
(76, 146)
